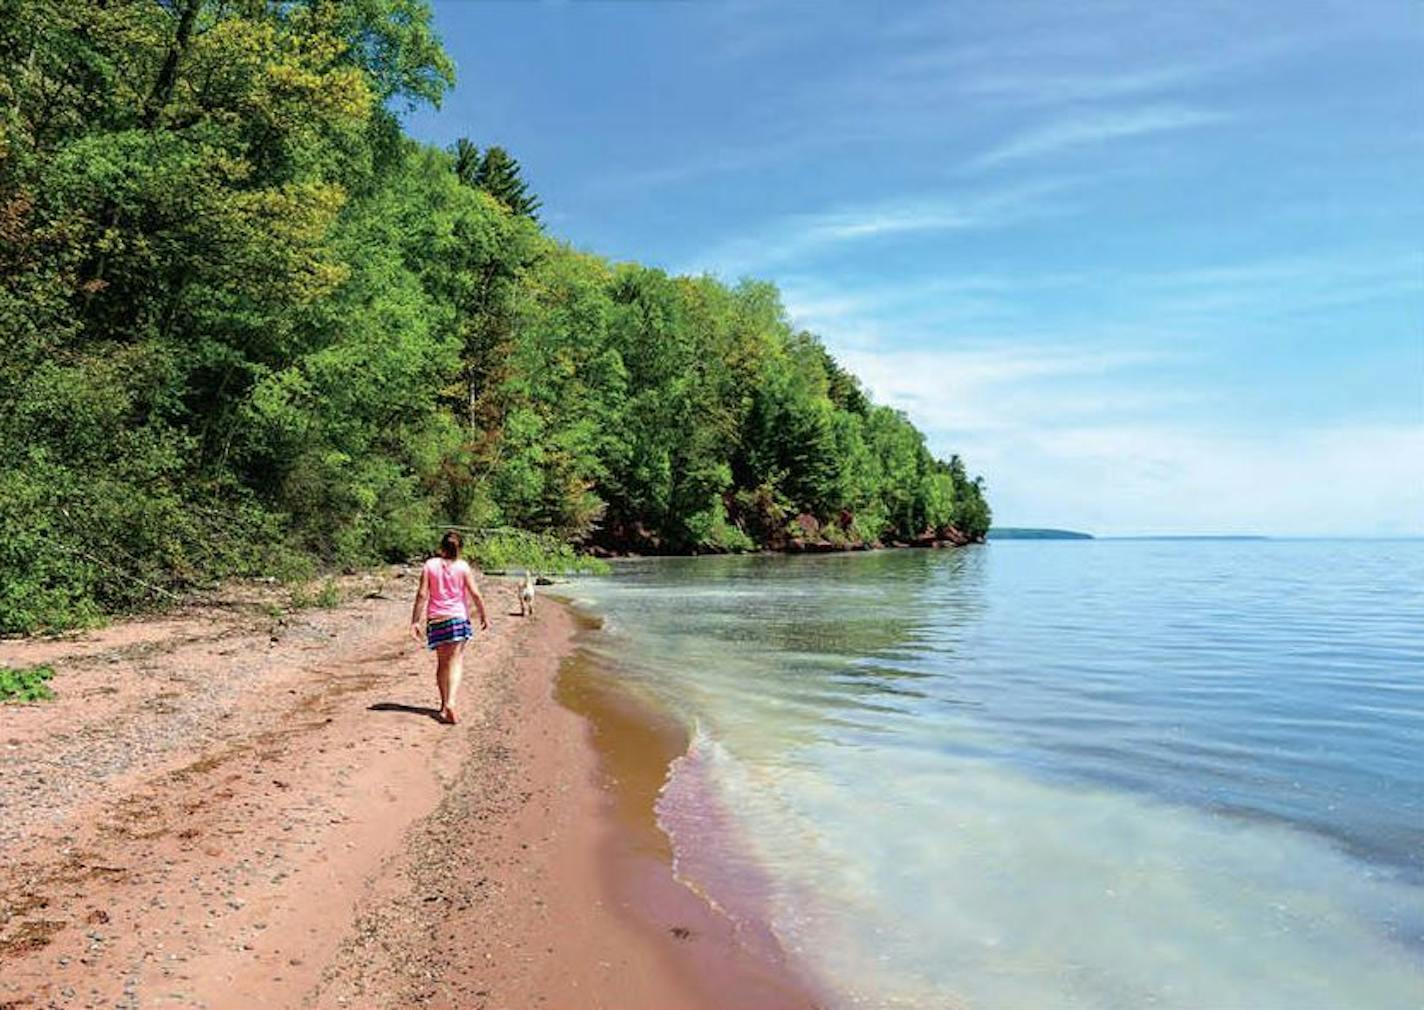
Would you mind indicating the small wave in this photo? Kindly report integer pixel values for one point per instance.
(712, 855)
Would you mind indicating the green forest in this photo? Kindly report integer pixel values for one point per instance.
(248, 326)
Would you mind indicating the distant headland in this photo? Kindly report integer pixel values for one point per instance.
(1193, 536)
(1030, 533)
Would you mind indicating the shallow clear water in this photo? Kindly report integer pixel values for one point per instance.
(1052, 774)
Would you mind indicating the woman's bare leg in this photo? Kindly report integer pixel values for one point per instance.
(455, 670)
(442, 676)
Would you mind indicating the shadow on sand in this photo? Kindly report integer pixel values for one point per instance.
(394, 706)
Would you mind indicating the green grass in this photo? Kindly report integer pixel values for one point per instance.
(29, 684)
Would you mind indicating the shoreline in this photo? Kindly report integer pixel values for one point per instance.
(636, 744)
(221, 803)
(803, 548)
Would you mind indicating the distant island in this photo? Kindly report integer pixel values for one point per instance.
(1030, 533)
(1190, 536)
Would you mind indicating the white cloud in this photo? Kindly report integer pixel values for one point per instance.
(1343, 479)
(1063, 440)
(1042, 88)
(1096, 79)
(799, 236)
(1280, 285)
(1006, 389)
(1038, 308)
(1400, 264)
(863, 314)
(1089, 129)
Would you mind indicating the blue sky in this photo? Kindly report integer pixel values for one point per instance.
(1147, 267)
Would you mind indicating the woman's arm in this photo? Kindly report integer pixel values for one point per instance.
(417, 613)
(475, 597)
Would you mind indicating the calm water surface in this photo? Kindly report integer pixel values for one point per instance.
(1052, 774)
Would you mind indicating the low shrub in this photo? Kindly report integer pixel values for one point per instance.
(26, 685)
(498, 551)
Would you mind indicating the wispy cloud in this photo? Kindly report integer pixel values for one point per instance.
(897, 92)
(1069, 82)
(1041, 88)
(979, 390)
(1278, 287)
(803, 236)
(994, 311)
(1193, 305)
(1402, 264)
(1093, 128)
(908, 305)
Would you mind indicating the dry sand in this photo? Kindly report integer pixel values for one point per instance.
(228, 808)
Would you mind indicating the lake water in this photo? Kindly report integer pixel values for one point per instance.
(1051, 774)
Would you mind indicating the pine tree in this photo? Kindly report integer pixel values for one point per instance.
(498, 174)
(467, 162)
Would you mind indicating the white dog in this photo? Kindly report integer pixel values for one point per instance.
(526, 595)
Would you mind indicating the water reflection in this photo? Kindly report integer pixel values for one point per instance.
(806, 635)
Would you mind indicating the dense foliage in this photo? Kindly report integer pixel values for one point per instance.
(246, 325)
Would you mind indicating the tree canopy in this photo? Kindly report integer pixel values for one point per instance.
(247, 325)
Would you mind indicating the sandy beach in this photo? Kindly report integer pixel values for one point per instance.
(232, 807)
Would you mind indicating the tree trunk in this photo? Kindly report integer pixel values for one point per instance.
(162, 92)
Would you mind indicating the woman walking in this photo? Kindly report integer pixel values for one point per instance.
(446, 583)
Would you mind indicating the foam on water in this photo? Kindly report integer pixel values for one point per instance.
(903, 883)
(985, 886)
(714, 855)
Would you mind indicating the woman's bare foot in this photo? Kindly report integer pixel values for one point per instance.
(447, 715)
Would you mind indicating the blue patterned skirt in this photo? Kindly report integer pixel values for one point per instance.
(446, 630)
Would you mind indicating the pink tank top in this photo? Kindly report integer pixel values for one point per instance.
(446, 582)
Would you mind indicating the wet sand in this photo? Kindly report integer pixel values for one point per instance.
(719, 963)
(226, 807)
